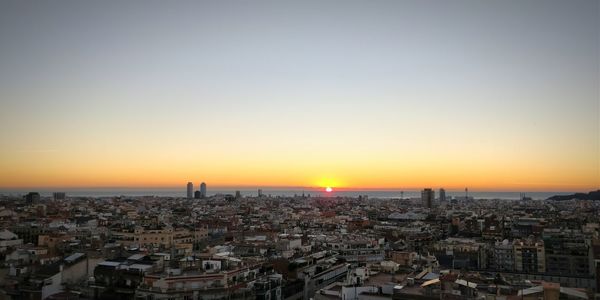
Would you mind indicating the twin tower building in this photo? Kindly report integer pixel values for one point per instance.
(197, 194)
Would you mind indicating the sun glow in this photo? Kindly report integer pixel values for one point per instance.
(328, 189)
(325, 182)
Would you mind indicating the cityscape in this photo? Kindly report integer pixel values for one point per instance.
(300, 150)
(229, 246)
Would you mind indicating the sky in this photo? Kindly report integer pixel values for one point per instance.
(493, 95)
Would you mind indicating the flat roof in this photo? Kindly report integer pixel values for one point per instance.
(136, 257)
(109, 263)
(430, 282)
(463, 282)
(73, 257)
(140, 267)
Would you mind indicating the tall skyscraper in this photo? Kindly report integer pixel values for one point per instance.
(442, 195)
(427, 196)
(203, 190)
(190, 190)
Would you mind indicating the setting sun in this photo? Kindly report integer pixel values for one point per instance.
(328, 189)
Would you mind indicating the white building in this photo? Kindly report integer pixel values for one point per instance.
(8, 239)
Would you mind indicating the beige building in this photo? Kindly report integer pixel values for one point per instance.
(403, 258)
(164, 236)
(529, 256)
(145, 237)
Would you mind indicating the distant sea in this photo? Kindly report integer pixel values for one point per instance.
(181, 192)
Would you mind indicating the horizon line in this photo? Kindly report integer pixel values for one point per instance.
(299, 188)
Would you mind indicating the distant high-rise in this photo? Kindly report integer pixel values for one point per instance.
(260, 193)
(197, 195)
(32, 197)
(190, 190)
(442, 195)
(59, 196)
(203, 190)
(427, 196)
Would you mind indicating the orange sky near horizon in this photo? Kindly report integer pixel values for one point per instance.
(51, 169)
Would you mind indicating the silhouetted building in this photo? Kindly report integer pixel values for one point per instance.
(197, 195)
(59, 196)
(190, 190)
(427, 196)
(32, 197)
(568, 252)
(203, 190)
(442, 195)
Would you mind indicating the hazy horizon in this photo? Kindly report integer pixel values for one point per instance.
(288, 192)
(182, 189)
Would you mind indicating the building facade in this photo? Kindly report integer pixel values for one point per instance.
(427, 196)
